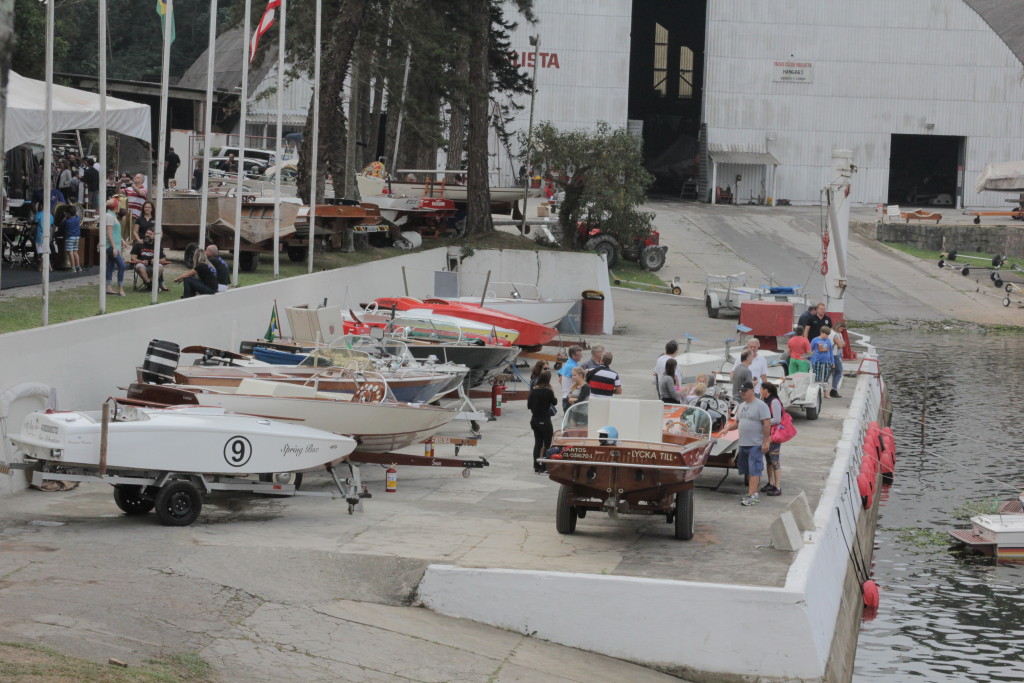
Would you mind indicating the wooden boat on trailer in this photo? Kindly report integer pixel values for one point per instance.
(629, 456)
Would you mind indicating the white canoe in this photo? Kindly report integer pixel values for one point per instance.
(193, 439)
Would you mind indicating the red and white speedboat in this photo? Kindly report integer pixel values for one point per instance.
(530, 333)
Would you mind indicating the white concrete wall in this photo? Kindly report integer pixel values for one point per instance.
(87, 360)
(682, 624)
(879, 68)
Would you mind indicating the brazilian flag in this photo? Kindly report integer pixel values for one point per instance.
(274, 328)
(161, 10)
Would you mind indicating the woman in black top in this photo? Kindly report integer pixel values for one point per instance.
(202, 279)
(541, 403)
(146, 221)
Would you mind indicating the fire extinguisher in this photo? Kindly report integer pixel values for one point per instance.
(391, 480)
(496, 391)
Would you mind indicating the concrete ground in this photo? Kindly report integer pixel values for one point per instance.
(261, 584)
(297, 589)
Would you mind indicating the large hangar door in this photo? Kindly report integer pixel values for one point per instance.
(923, 169)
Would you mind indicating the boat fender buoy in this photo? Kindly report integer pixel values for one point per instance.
(870, 592)
(391, 480)
(864, 487)
(890, 441)
(869, 466)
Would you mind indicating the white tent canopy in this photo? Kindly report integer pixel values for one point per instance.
(72, 109)
(1004, 176)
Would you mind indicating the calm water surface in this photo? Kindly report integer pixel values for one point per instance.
(944, 615)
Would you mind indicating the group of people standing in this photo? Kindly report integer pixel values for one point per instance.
(578, 380)
(817, 341)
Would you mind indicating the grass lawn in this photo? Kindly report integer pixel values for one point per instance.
(934, 256)
(629, 273)
(74, 303)
(25, 662)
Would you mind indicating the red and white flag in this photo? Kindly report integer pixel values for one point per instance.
(266, 21)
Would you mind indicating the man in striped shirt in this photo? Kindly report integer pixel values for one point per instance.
(603, 380)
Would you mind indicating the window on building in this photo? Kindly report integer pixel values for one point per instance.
(661, 59)
(685, 73)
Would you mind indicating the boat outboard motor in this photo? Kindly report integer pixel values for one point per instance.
(609, 436)
(161, 360)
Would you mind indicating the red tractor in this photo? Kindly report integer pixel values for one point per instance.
(647, 250)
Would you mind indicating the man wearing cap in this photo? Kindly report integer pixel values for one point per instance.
(754, 419)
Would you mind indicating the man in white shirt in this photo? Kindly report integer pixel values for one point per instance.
(758, 365)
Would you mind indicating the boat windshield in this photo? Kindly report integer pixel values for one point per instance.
(387, 348)
(353, 359)
(637, 424)
(513, 290)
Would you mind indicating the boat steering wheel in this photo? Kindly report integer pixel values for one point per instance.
(369, 393)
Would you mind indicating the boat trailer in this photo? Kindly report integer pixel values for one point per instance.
(428, 459)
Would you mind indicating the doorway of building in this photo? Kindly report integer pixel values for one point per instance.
(666, 85)
(923, 169)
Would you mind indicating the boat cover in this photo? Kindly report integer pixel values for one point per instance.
(1005, 176)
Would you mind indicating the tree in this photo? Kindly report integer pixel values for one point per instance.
(601, 172)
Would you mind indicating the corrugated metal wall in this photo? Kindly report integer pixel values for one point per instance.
(879, 68)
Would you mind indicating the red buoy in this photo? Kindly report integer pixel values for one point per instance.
(889, 437)
(864, 487)
(870, 591)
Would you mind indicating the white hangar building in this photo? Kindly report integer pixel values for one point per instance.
(925, 92)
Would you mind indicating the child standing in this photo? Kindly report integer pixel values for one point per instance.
(821, 355)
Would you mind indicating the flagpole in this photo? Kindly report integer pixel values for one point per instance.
(211, 50)
(314, 173)
(165, 71)
(279, 146)
(47, 165)
(101, 204)
(237, 250)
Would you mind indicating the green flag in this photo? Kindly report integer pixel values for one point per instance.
(273, 328)
(161, 9)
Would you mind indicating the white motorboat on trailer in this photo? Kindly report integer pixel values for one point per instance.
(164, 459)
(377, 426)
(202, 439)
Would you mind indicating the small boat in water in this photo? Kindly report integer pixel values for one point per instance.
(999, 535)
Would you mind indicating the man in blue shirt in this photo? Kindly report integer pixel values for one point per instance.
(565, 373)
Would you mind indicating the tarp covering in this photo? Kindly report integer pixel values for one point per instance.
(1005, 176)
(72, 109)
(743, 157)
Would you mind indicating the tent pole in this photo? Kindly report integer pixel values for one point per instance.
(101, 201)
(165, 70)
(278, 146)
(244, 101)
(47, 167)
(211, 50)
(314, 172)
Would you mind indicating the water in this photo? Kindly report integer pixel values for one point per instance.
(946, 615)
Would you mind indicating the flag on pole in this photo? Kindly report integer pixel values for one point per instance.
(274, 328)
(266, 21)
(161, 10)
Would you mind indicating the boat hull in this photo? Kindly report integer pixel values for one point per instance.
(484, 362)
(548, 313)
(185, 439)
(376, 427)
(530, 333)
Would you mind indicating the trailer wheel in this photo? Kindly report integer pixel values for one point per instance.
(297, 254)
(653, 258)
(565, 513)
(712, 311)
(811, 412)
(293, 478)
(684, 515)
(178, 503)
(131, 499)
(249, 261)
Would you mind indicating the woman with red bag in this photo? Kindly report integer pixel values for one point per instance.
(770, 395)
